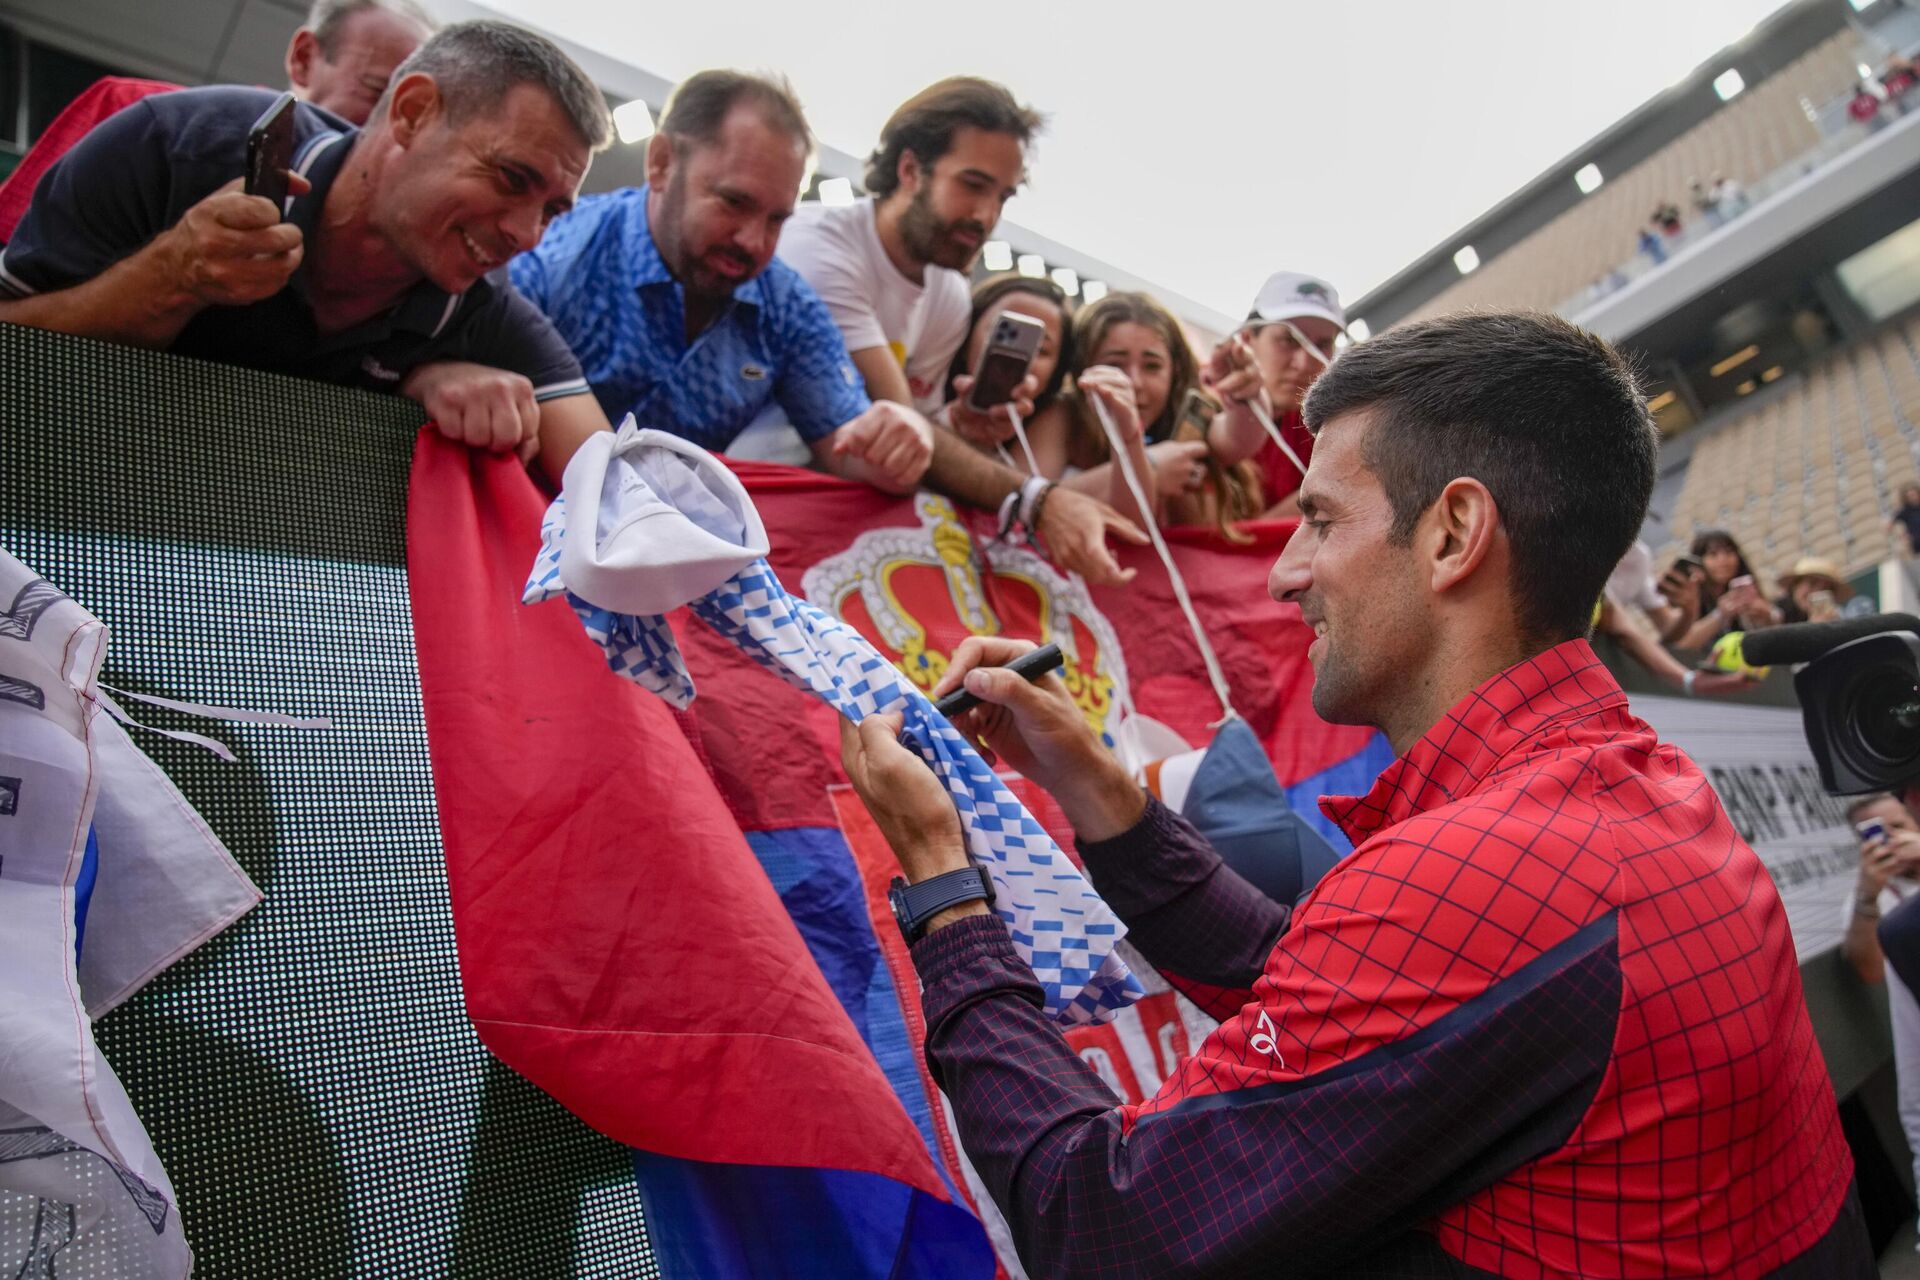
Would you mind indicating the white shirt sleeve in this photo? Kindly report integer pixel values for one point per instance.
(818, 243)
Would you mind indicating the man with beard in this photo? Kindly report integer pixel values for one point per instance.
(892, 267)
(374, 274)
(672, 299)
(1545, 1019)
(892, 270)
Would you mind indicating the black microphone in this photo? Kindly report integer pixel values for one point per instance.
(1805, 641)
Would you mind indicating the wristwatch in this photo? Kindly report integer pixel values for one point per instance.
(915, 904)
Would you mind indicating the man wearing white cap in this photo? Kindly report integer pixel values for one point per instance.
(1292, 327)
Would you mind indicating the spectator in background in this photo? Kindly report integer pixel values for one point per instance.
(344, 55)
(1037, 299)
(1897, 78)
(1816, 592)
(680, 314)
(1889, 865)
(1730, 196)
(378, 276)
(1705, 203)
(1666, 216)
(340, 61)
(1716, 594)
(1865, 107)
(1634, 612)
(1129, 337)
(1905, 523)
(1292, 326)
(1653, 246)
(891, 269)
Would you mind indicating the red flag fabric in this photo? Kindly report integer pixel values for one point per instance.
(619, 944)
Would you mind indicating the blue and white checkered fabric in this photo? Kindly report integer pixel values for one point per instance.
(1063, 930)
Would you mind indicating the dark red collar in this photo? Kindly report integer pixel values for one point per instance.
(1496, 721)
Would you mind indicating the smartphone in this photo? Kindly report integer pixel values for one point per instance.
(1196, 414)
(1870, 830)
(270, 152)
(1744, 580)
(1689, 565)
(1005, 359)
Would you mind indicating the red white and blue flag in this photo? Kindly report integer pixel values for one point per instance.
(675, 922)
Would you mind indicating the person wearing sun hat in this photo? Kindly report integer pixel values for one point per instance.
(1816, 591)
(1292, 326)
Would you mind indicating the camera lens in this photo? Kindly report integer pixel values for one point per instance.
(1884, 708)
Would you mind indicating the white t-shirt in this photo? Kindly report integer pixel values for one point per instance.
(838, 251)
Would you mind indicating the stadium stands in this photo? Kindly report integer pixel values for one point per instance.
(1767, 127)
(1816, 469)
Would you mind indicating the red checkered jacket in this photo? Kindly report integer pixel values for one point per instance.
(1545, 1020)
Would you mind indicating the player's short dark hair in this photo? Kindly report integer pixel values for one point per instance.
(925, 124)
(1550, 418)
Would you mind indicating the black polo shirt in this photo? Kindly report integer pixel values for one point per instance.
(139, 171)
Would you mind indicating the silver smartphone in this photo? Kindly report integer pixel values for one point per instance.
(1004, 360)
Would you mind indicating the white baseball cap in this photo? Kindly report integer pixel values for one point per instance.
(1289, 295)
(653, 521)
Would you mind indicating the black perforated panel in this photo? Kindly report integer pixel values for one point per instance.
(309, 1077)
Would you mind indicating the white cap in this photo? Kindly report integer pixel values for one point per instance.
(653, 521)
(1288, 295)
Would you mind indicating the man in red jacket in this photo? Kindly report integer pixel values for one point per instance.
(1544, 1020)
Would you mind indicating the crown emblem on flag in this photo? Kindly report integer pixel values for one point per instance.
(916, 592)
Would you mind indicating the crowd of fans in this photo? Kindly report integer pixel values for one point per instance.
(432, 246)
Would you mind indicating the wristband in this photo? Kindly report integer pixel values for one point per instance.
(1031, 490)
(1039, 505)
(1009, 511)
(1686, 681)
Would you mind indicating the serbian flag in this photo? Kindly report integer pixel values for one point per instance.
(676, 923)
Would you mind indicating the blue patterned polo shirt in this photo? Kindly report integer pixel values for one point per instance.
(600, 279)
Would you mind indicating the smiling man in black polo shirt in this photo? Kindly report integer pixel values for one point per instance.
(377, 276)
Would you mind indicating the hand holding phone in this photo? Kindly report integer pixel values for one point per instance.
(1195, 419)
(270, 153)
(1002, 367)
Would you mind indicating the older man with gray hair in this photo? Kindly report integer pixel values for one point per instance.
(342, 58)
(373, 272)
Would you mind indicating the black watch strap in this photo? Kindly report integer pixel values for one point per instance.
(915, 904)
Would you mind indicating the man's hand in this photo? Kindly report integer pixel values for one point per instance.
(892, 444)
(1076, 528)
(230, 249)
(906, 798)
(995, 426)
(477, 405)
(1036, 730)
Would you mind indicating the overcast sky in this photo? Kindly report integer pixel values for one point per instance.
(1201, 145)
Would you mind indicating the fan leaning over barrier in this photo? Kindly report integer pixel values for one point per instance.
(671, 526)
